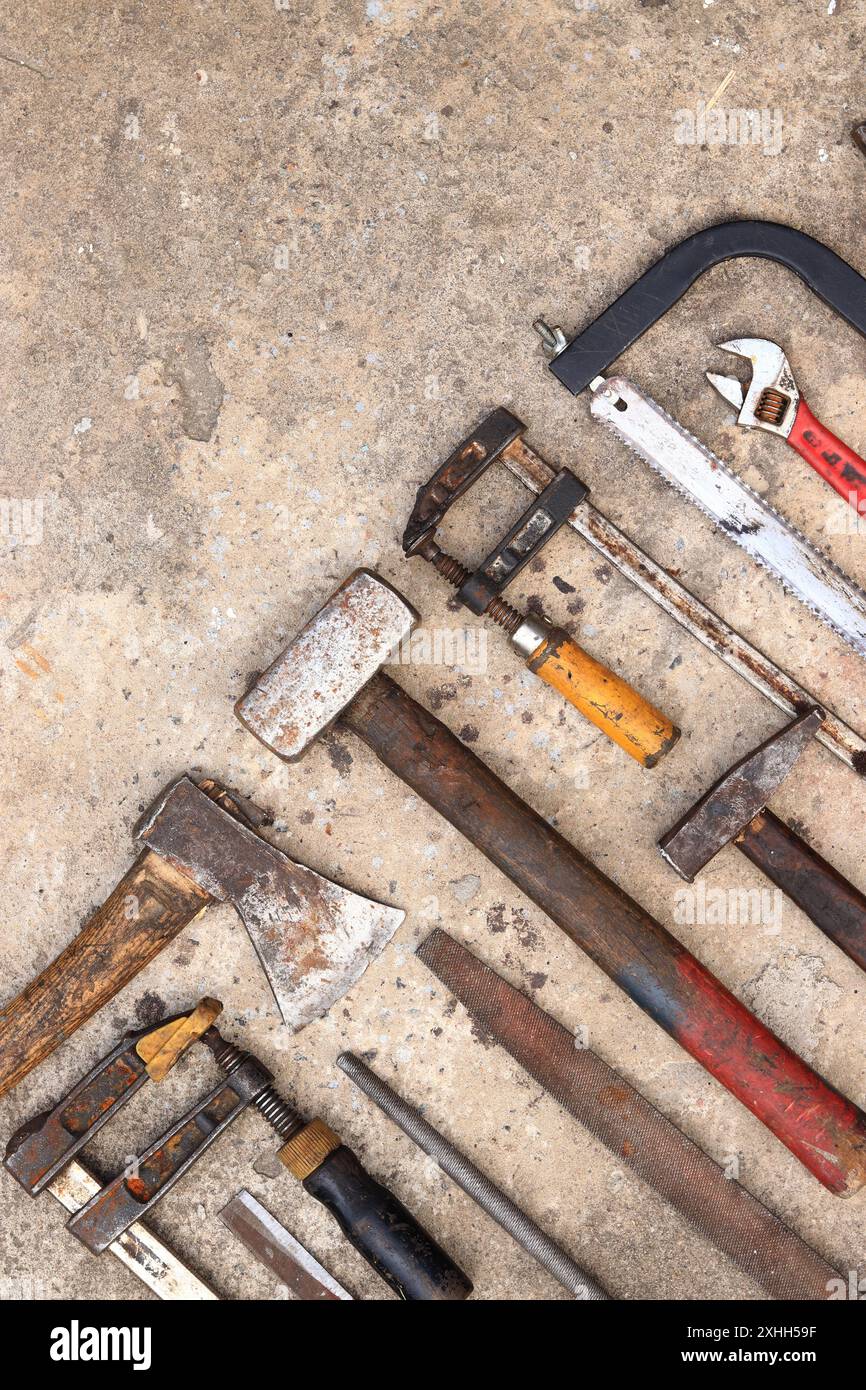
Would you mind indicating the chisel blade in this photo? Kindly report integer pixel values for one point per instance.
(278, 1250)
(690, 467)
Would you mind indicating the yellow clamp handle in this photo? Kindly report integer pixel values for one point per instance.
(603, 698)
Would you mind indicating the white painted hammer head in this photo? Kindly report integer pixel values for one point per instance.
(322, 669)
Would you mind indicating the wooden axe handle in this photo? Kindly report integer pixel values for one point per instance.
(149, 906)
(819, 890)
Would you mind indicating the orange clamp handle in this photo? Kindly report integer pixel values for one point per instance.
(834, 461)
(604, 698)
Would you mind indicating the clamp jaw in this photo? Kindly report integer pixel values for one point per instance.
(549, 652)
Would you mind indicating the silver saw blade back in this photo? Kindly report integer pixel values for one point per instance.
(694, 470)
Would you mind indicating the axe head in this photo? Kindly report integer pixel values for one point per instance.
(313, 937)
(737, 797)
(322, 669)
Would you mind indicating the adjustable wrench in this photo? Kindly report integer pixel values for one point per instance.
(772, 401)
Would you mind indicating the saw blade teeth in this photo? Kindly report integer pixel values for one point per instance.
(645, 457)
(762, 502)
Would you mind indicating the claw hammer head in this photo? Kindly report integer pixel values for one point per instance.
(744, 790)
(314, 938)
(770, 401)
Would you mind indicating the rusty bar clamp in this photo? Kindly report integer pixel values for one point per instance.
(372, 1219)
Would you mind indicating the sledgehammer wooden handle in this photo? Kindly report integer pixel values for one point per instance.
(823, 1129)
(150, 905)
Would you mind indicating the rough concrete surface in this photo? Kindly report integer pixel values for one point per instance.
(263, 266)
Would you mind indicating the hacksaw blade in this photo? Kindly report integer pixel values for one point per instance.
(696, 472)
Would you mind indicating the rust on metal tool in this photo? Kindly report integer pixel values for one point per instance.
(44, 1145)
(132, 1193)
(687, 610)
(314, 938)
(636, 1133)
(824, 1129)
(138, 1248)
(280, 1252)
(320, 671)
(737, 797)
(460, 470)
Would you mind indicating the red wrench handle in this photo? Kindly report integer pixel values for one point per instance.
(837, 464)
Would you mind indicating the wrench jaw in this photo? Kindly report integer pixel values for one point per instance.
(771, 399)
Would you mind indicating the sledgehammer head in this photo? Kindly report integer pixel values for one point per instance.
(322, 669)
(737, 797)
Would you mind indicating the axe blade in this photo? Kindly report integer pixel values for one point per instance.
(737, 797)
(313, 937)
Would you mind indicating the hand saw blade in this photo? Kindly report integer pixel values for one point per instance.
(696, 472)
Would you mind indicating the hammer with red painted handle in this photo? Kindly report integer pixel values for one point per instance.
(331, 671)
(772, 402)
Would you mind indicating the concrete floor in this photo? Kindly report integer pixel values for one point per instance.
(263, 266)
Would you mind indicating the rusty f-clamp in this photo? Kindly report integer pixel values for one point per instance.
(603, 697)
(370, 1217)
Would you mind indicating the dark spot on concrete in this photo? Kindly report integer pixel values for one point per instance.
(576, 606)
(339, 755)
(526, 717)
(437, 1032)
(603, 574)
(562, 585)
(438, 695)
(496, 918)
(482, 1036)
(677, 661)
(526, 933)
(150, 1009)
(187, 365)
(536, 980)
(307, 817)
(469, 733)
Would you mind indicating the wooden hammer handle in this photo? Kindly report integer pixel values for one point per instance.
(824, 1129)
(150, 905)
(833, 904)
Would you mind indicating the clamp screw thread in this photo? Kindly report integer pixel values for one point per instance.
(457, 574)
(281, 1116)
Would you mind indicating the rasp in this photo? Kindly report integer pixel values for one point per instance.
(696, 472)
(719, 1208)
(279, 1252)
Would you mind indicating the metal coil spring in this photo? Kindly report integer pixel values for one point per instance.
(282, 1116)
(457, 574)
(771, 407)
